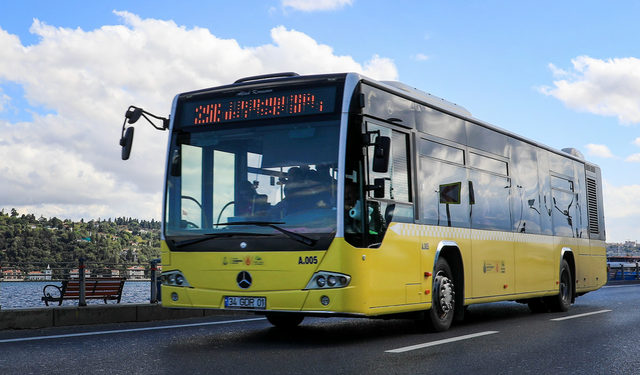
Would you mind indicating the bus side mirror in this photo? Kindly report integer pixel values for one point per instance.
(126, 141)
(381, 152)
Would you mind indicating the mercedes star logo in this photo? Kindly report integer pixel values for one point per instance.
(244, 280)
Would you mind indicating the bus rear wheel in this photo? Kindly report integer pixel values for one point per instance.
(562, 301)
(440, 316)
(285, 321)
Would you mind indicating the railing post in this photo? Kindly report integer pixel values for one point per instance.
(622, 271)
(1, 278)
(154, 281)
(81, 267)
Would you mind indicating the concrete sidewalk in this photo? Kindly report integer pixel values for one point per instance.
(42, 317)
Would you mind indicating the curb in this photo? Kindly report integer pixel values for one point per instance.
(98, 314)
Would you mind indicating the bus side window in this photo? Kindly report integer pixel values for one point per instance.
(396, 204)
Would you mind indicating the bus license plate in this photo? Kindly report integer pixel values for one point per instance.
(256, 303)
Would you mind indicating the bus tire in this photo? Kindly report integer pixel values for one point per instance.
(440, 316)
(285, 321)
(562, 301)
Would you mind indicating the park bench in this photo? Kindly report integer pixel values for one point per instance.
(105, 288)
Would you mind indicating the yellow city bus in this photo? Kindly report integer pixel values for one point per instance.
(337, 195)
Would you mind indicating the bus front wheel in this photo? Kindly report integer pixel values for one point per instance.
(440, 316)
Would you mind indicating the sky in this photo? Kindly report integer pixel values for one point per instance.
(566, 74)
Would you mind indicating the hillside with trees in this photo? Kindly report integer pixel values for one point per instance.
(26, 239)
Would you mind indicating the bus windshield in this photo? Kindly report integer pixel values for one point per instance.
(260, 179)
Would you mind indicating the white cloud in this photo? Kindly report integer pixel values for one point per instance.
(67, 163)
(604, 87)
(635, 158)
(314, 5)
(622, 211)
(599, 150)
(636, 142)
(420, 57)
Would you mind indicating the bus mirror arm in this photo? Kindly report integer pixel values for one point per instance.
(132, 115)
(377, 188)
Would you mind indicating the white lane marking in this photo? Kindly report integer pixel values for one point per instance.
(128, 330)
(440, 342)
(580, 315)
(618, 286)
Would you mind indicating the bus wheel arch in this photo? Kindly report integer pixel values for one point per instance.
(566, 287)
(567, 254)
(447, 291)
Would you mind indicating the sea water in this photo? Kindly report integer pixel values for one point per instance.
(28, 294)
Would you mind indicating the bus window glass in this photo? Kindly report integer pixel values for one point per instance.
(191, 211)
(223, 183)
(486, 139)
(561, 183)
(384, 106)
(442, 152)
(487, 164)
(440, 124)
(400, 167)
(443, 193)
(560, 164)
(490, 206)
(545, 192)
(563, 213)
(397, 178)
(525, 201)
(278, 173)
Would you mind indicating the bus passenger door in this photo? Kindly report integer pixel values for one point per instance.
(395, 249)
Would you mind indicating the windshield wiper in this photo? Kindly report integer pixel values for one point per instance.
(271, 224)
(212, 236)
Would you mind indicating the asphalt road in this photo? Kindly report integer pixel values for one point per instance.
(599, 335)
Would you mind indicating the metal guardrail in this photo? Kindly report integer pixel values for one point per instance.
(623, 272)
(67, 270)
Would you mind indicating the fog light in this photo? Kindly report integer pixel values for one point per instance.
(179, 279)
(174, 296)
(321, 281)
(325, 300)
(331, 281)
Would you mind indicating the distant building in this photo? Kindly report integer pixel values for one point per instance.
(135, 273)
(36, 276)
(75, 274)
(12, 275)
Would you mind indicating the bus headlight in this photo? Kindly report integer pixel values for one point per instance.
(324, 279)
(174, 278)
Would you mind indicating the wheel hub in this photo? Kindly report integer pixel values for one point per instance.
(445, 294)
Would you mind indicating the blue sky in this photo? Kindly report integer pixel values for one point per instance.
(566, 74)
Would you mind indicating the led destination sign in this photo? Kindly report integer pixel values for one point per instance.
(260, 104)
